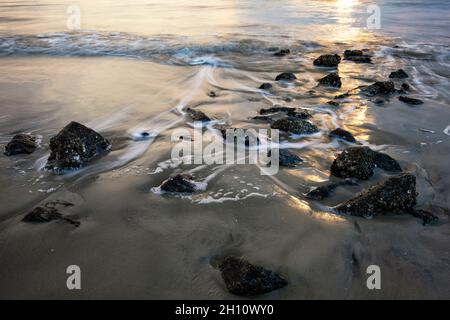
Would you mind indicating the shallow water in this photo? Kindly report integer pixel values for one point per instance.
(135, 65)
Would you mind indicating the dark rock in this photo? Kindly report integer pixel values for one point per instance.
(265, 86)
(359, 162)
(288, 159)
(333, 103)
(427, 217)
(178, 184)
(263, 118)
(294, 125)
(357, 56)
(245, 279)
(325, 191)
(48, 213)
(197, 115)
(145, 134)
(327, 60)
(342, 96)
(395, 195)
(286, 76)
(212, 94)
(409, 100)
(399, 74)
(406, 87)
(74, 146)
(247, 139)
(282, 53)
(276, 109)
(332, 80)
(21, 144)
(342, 134)
(299, 114)
(381, 87)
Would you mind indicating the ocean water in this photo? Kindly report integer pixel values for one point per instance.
(133, 66)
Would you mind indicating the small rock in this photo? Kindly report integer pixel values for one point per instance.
(427, 217)
(409, 100)
(357, 56)
(399, 74)
(212, 94)
(276, 109)
(342, 134)
(394, 195)
(325, 191)
(333, 103)
(381, 87)
(342, 96)
(299, 114)
(244, 279)
(282, 53)
(197, 115)
(406, 87)
(288, 159)
(74, 146)
(294, 125)
(48, 213)
(332, 80)
(21, 144)
(286, 76)
(145, 134)
(178, 184)
(266, 86)
(327, 60)
(359, 162)
(263, 118)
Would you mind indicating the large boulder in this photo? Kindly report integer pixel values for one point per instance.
(327, 60)
(295, 125)
(394, 195)
(244, 279)
(21, 144)
(74, 146)
(332, 80)
(359, 163)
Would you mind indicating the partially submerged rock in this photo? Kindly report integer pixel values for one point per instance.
(276, 109)
(74, 146)
(21, 144)
(332, 80)
(357, 56)
(327, 60)
(359, 163)
(333, 103)
(299, 114)
(426, 216)
(288, 159)
(378, 88)
(411, 101)
(178, 184)
(394, 195)
(197, 115)
(295, 125)
(342, 134)
(286, 76)
(282, 53)
(326, 190)
(212, 94)
(244, 279)
(49, 213)
(266, 86)
(290, 111)
(399, 74)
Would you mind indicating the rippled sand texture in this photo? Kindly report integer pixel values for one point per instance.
(135, 65)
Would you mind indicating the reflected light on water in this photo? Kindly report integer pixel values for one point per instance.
(304, 207)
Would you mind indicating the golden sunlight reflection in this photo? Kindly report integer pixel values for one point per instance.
(344, 30)
(303, 206)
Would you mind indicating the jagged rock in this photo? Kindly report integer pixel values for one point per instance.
(325, 191)
(399, 74)
(74, 146)
(286, 76)
(294, 125)
(244, 279)
(21, 144)
(299, 114)
(332, 80)
(265, 86)
(357, 56)
(327, 60)
(178, 184)
(48, 213)
(381, 87)
(288, 159)
(406, 87)
(394, 195)
(291, 112)
(359, 162)
(342, 134)
(282, 53)
(276, 109)
(409, 100)
(197, 115)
